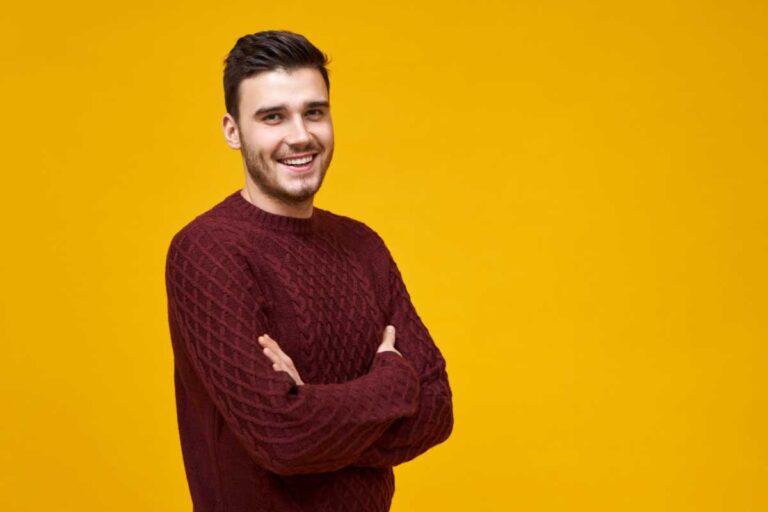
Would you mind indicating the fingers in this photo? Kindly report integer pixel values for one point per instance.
(273, 350)
(276, 359)
(280, 360)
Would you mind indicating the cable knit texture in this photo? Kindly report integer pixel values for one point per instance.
(323, 287)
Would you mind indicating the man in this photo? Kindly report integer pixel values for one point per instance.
(291, 394)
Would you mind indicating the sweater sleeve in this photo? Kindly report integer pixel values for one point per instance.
(432, 424)
(217, 315)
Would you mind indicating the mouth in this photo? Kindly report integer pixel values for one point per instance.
(300, 163)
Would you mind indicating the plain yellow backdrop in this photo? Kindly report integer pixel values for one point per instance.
(575, 193)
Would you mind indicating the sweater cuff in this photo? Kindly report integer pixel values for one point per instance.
(404, 377)
(389, 358)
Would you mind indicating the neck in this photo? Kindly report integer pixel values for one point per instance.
(255, 196)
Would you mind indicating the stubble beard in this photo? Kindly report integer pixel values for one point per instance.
(264, 175)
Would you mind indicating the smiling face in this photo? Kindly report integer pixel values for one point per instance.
(285, 133)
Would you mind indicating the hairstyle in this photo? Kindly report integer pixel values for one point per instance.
(267, 51)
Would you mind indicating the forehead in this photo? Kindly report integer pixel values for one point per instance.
(292, 88)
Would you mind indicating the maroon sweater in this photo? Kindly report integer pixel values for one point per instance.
(324, 288)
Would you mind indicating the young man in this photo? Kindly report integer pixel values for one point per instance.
(291, 394)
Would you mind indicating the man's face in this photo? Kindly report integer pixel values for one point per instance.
(286, 133)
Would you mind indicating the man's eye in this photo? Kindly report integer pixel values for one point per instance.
(315, 113)
(271, 117)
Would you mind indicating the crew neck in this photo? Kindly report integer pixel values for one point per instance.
(272, 220)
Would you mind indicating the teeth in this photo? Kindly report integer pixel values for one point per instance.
(298, 161)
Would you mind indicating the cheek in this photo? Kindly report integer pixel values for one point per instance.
(264, 142)
(326, 137)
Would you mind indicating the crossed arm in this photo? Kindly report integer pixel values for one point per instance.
(396, 411)
(281, 362)
(410, 436)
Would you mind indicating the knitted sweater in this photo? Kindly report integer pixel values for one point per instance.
(324, 288)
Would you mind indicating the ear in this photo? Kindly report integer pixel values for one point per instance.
(231, 131)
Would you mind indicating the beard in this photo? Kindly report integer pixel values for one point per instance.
(264, 174)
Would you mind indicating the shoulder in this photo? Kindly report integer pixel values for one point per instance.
(207, 253)
(213, 232)
(354, 229)
(203, 234)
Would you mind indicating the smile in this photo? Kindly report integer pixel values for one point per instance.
(299, 164)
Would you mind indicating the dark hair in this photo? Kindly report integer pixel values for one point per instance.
(267, 51)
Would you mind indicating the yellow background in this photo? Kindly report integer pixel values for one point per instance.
(575, 193)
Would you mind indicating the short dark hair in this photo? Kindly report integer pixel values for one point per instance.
(267, 51)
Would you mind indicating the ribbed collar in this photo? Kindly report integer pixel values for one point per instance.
(271, 220)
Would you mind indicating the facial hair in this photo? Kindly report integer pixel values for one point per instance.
(264, 176)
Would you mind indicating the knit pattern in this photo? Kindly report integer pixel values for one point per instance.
(324, 288)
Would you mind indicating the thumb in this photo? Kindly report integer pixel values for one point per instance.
(389, 336)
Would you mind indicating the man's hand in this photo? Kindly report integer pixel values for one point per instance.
(388, 341)
(280, 360)
(282, 363)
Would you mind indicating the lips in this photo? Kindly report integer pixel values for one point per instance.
(298, 163)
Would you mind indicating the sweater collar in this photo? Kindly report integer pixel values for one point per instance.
(271, 220)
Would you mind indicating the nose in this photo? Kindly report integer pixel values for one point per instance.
(299, 133)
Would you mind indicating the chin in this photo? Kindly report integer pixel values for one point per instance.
(299, 195)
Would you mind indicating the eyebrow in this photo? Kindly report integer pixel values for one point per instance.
(281, 108)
